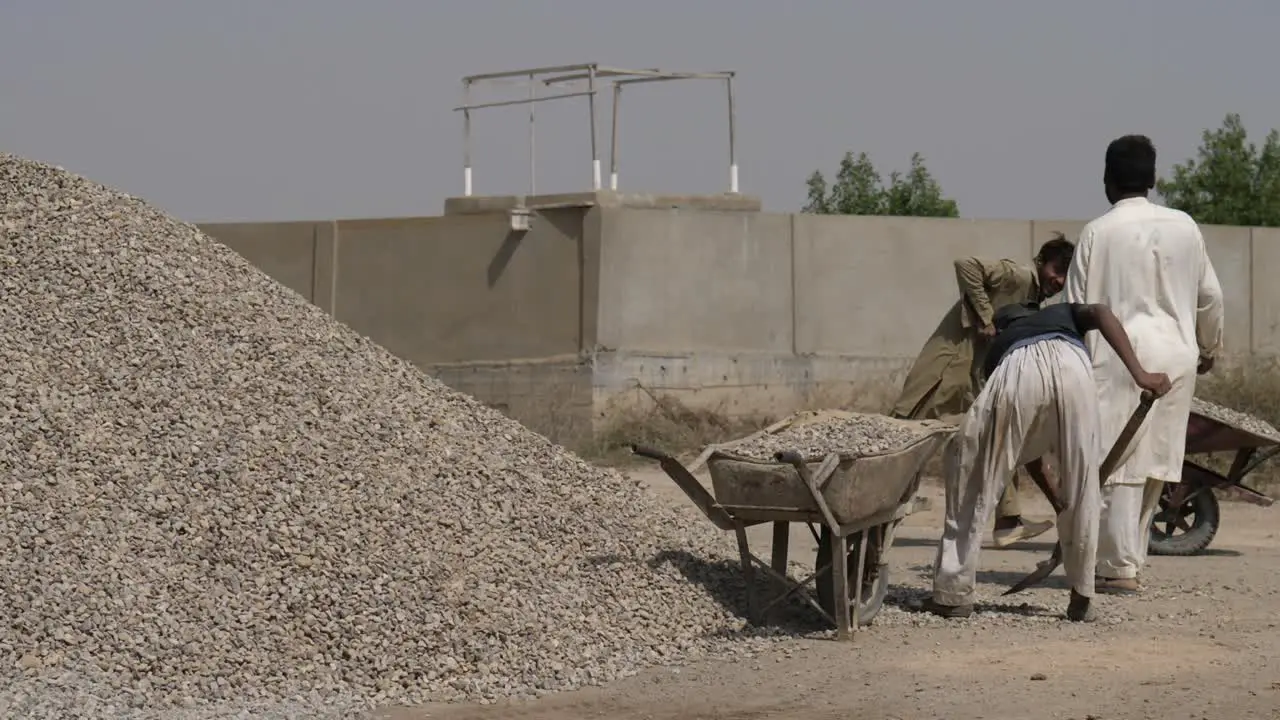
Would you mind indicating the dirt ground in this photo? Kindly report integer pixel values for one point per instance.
(1201, 642)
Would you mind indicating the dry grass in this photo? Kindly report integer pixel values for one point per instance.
(1252, 387)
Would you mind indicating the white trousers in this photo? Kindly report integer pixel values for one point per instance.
(1041, 400)
(1127, 511)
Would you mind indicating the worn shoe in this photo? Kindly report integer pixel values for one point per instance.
(954, 612)
(1080, 608)
(1022, 531)
(1116, 586)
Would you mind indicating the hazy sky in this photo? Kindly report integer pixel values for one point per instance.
(293, 109)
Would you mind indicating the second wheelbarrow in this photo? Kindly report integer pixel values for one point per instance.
(857, 501)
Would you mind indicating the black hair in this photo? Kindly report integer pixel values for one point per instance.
(1057, 253)
(1131, 164)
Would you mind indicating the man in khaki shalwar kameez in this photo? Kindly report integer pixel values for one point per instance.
(946, 376)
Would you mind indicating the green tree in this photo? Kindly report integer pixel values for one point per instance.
(918, 194)
(1229, 181)
(817, 202)
(859, 190)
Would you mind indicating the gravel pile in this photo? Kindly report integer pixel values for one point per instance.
(850, 433)
(211, 493)
(1235, 418)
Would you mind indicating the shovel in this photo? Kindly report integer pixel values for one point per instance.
(1046, 568)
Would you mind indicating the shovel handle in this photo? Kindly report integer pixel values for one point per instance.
(1126, 436)
(645, 451)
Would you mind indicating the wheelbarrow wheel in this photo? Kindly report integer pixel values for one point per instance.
(875, 579)
(1187, 529)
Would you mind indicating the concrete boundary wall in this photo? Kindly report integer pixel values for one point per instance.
(680, 281)
(602, 306)
(876, 287)
(436, 289)
(290, 252)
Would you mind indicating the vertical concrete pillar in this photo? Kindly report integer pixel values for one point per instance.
(589, 248)
(324, 272)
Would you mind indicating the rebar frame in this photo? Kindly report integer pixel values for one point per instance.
(592, 73)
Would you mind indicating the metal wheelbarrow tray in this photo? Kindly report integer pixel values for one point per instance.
(857, 501)
(1188, 516)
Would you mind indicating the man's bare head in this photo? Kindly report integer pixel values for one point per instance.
(1130, 168)
(1052, 262)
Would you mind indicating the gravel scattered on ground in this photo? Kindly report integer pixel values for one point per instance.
(856, 434)
(1212, 617)
(216, 497)
(1235, 418)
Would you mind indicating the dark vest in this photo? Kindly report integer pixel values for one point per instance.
(1016, 323)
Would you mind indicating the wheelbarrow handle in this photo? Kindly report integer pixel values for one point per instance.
(645, 451)
(693, 489)
(791, 457)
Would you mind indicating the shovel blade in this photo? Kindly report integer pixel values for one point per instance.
(1037, 576)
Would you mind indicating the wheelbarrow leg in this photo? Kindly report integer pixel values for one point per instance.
(781, 537)
(778, 555)
(862, 573)
(748, 569)
(840, 584)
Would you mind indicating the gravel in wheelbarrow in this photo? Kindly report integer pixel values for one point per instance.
(1235, 419)
(814, 434)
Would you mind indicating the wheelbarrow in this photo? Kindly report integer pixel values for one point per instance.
(1188, 516)
(852, 505)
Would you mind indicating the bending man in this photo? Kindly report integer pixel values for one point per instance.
(1149, 263)
(946, 376)
(1040, 398)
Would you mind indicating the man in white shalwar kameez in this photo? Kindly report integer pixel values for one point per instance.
(1039, 399)
(1149, 265)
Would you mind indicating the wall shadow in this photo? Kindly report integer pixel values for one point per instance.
(503, 256)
